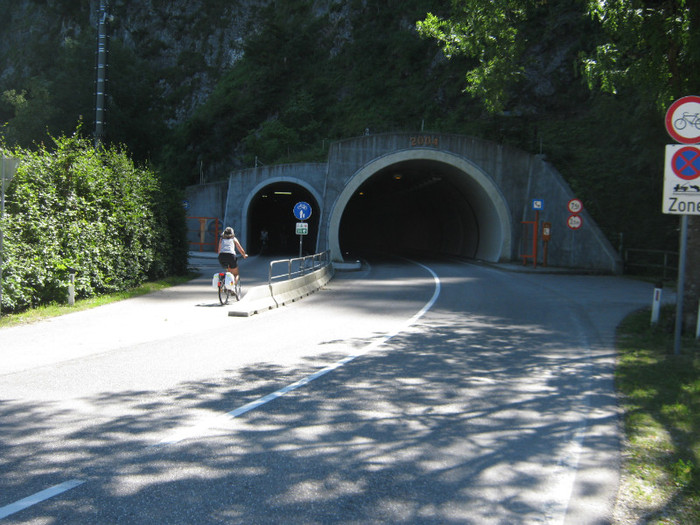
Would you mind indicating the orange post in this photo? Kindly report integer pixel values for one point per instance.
(546, 235)
(200, 232)
(535, 228)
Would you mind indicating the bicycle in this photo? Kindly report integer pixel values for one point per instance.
(225, 291)
(687, 118)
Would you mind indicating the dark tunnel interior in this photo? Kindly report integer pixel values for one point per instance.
(409, 208)
(271, 210)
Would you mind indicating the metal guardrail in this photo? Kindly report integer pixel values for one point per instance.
(298, 266)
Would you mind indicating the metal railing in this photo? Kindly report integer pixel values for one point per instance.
(663, 263)
(298, 266)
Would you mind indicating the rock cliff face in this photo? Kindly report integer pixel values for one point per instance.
(199, 39)
(315, 70)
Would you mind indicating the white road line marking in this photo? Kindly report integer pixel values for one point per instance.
(182, 434)
(27, 502)
(568, 465)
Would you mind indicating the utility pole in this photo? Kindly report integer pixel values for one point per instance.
(101, 83)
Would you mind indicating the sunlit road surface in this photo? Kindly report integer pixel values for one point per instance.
(404, 393)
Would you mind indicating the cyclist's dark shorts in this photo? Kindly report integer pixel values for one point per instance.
(228, 260)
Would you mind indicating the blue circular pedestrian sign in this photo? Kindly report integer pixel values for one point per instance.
(302, 210)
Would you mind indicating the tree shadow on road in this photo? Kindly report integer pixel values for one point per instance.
(461, 419)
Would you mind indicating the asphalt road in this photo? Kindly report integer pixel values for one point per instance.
(439, 392)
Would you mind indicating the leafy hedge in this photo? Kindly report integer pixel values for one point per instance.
(95, 211)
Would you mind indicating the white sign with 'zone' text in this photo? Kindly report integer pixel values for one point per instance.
(682, 180)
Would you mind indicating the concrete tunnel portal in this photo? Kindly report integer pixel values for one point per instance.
(407, 193)
(397, 205)
(431, 203)
(409, 206)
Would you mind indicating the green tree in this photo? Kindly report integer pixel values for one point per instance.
(649, 47)
(136, 109)
(31, 109)
(637, 57)
(652, 49)
(487, 32)
(54, 96)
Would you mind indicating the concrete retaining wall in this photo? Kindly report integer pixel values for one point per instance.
(262, 298)
(207, 200)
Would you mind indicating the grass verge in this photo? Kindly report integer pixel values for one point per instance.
(55, 310)
(661, 397)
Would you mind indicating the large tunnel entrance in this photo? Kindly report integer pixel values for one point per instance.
(410, 207)
(271, 211)
(432, 203)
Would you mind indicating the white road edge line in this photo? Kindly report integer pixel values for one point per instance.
(182, 434)
(568, 465)
(29, 501)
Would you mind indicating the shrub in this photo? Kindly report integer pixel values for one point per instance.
(92, 210)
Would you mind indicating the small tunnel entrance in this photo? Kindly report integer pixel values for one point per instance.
(271, 211)
(424, 206)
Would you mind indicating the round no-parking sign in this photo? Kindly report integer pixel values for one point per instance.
(682, 180)
(685, 163)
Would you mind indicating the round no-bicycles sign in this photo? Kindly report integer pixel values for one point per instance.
(683, 120)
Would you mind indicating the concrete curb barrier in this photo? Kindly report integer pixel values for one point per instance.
(345, 266)
(267, 297)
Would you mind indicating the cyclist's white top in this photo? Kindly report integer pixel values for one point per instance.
(228, 246)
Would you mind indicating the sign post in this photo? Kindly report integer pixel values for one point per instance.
(537, 206)
(302, 211)
(682, 184)
(9, 167)
(546, 236)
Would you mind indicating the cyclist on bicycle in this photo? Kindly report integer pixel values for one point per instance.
(228, 244)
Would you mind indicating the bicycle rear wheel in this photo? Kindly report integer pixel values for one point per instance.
(223, 294)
